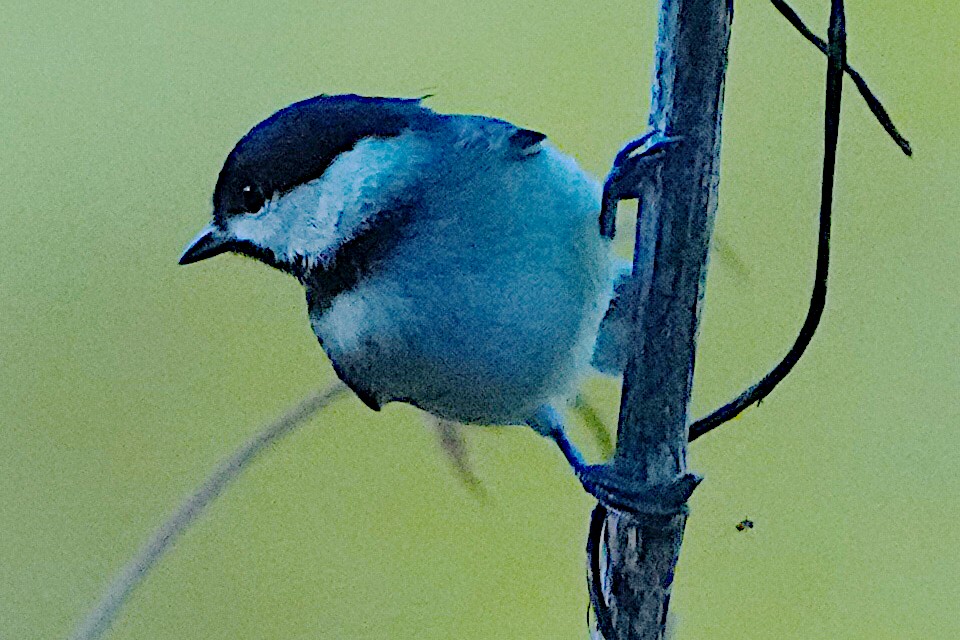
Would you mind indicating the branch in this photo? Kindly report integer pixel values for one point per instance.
(102, 616)
(663, 300)
(607, 622)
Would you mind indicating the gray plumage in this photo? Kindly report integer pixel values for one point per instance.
(453, 262)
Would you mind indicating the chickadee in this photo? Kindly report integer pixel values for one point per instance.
(452, 262)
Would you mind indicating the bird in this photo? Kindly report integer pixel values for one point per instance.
(457, 263)
(452, 262)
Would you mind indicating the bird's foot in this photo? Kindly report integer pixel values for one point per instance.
(631, 495)
(610, 487)
(632, 169)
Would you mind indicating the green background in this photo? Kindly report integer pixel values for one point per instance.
(124, 378)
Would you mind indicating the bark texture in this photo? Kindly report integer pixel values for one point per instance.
(670, 262)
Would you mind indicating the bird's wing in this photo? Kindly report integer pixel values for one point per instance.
(493, 135)
(608, 354)
(525, 142)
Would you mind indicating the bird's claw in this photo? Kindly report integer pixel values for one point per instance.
(629, 495)
(611, 487)
(632, 168)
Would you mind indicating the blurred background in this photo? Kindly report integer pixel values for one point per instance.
(124, 378)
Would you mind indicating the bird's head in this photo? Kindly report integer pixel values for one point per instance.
(275, 199)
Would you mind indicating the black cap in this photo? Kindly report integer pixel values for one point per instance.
(298, 143)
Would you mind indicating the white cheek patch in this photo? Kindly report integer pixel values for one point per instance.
(298, 225)
(308, 223)
(255, 227)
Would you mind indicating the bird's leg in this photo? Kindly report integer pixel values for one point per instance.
(548, 423)
(606, 484)
(632, 169)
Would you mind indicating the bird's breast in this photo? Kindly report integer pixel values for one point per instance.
(488, 307)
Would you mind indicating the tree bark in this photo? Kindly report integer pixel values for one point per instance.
(670, 262)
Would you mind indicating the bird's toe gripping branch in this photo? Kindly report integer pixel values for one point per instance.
(610, 487)
(635, 496)
(632, 169)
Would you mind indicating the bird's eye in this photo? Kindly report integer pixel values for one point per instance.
(252, 199)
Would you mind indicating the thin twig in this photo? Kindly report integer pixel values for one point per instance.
(594, 424)
(598, 520)
(836, 52)
(103, 615)
(872, 100)
(454, 446)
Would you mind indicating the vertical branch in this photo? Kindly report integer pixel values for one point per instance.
(673, 236)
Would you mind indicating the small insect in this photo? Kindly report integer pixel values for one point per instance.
(744, 524)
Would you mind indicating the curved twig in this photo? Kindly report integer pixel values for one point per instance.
(112, 600)
(598, 603)
(836, 52)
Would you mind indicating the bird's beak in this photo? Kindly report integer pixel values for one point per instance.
(208, 243)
